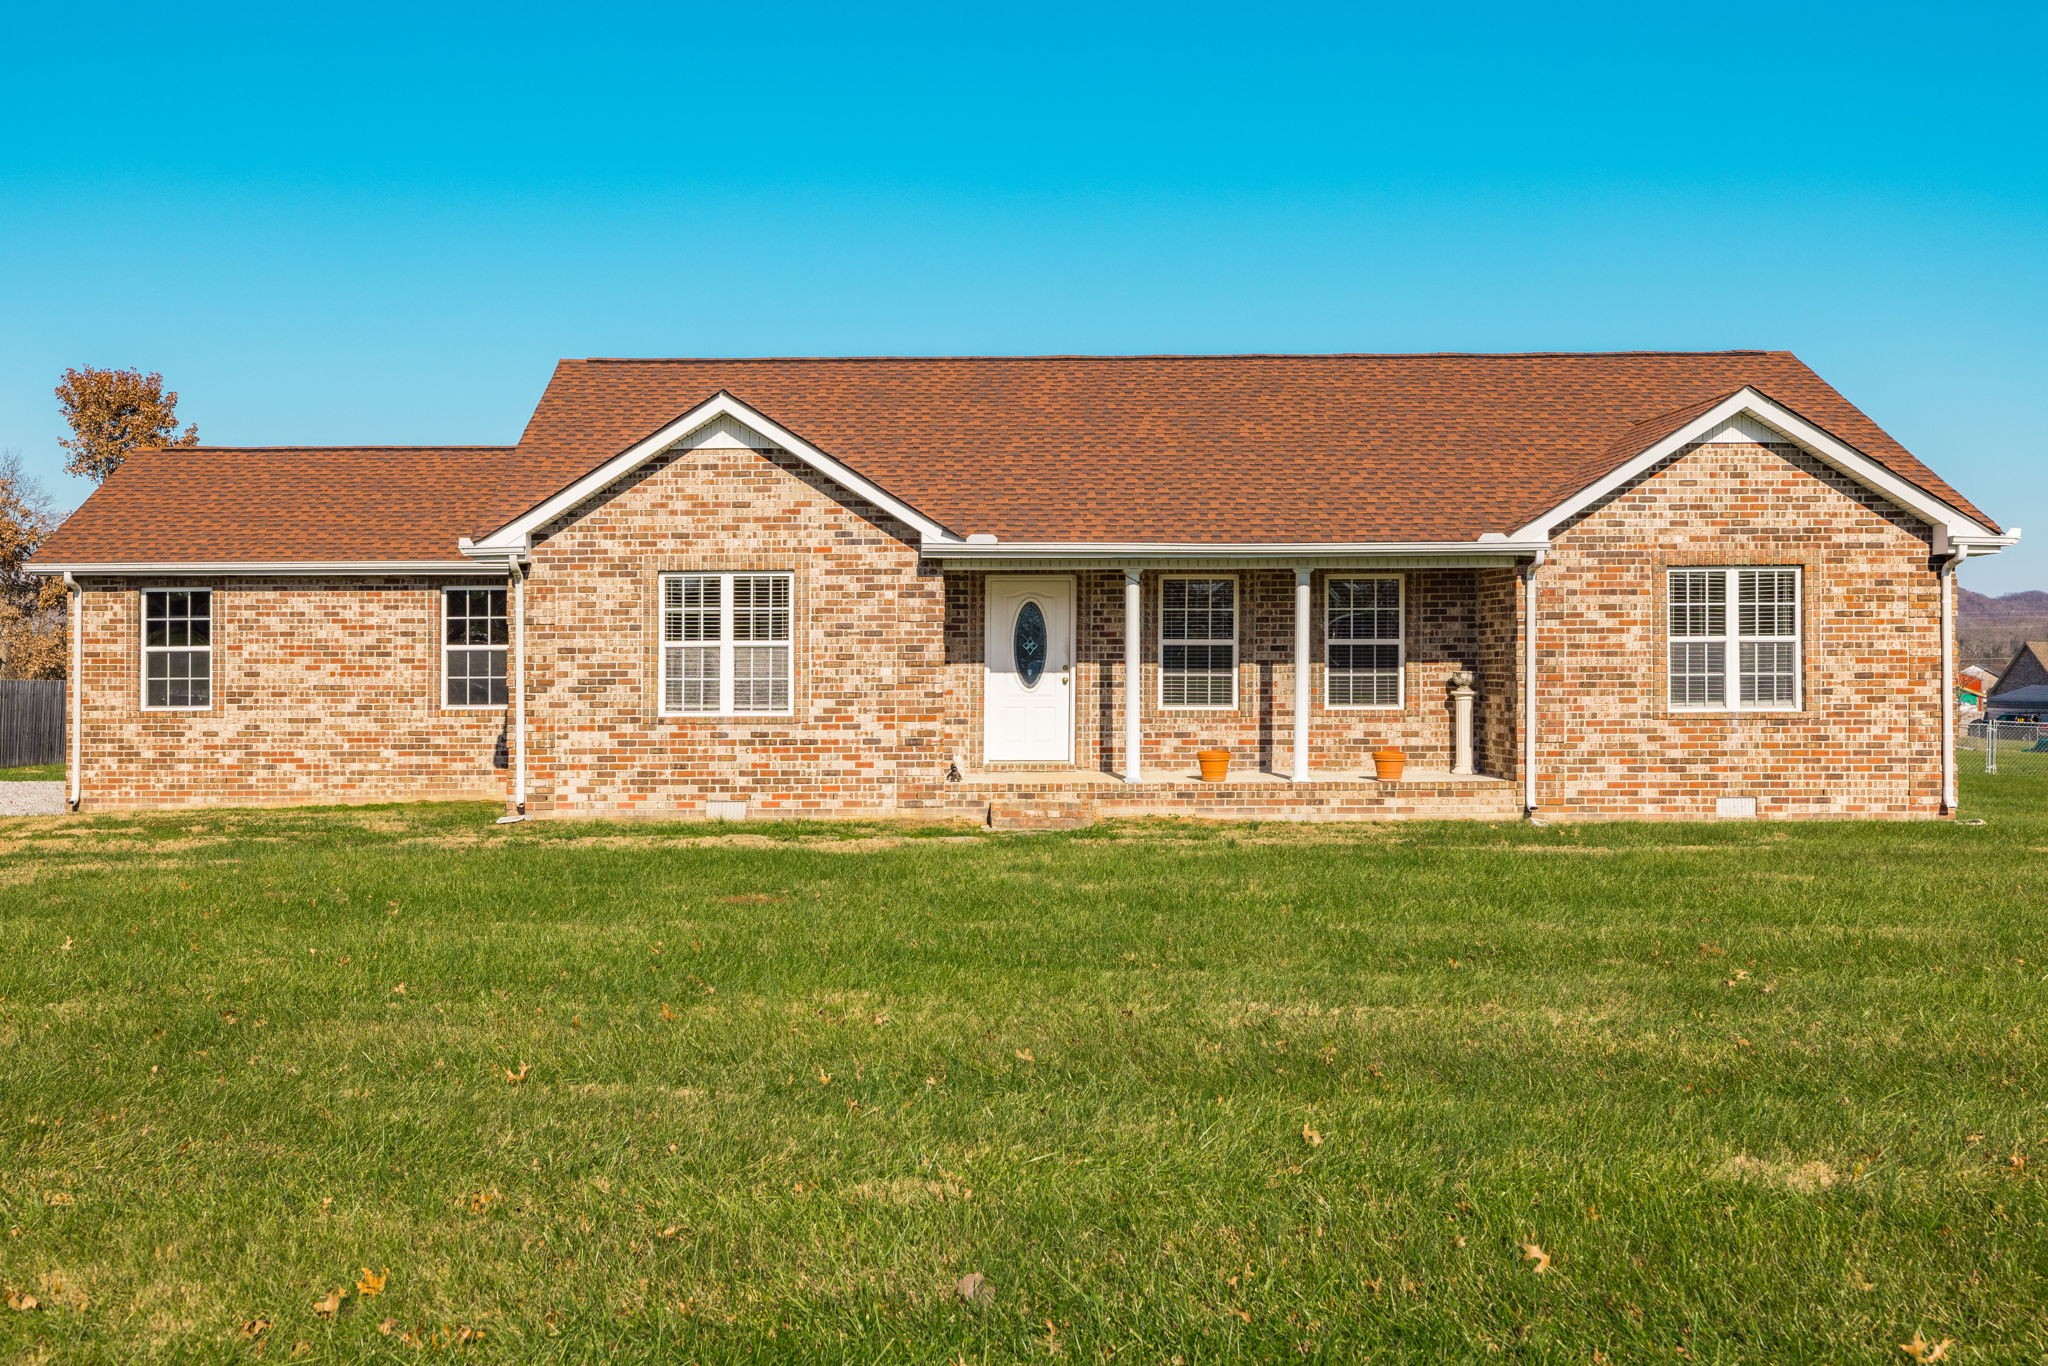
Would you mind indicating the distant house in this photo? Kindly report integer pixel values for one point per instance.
(1644, 584)
(2023, 688)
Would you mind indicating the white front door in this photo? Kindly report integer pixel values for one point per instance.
(1029, 691)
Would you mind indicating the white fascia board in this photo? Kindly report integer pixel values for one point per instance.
(263, 567)
(515, 537)
(1853, 463)
(1145, 550)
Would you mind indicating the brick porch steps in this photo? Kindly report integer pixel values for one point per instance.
(1072, 798)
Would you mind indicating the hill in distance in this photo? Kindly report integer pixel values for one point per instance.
(1990, 631)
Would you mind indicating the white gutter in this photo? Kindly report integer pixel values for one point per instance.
(990, 548)
(1947, 580)
(265, 567)
(73, 691)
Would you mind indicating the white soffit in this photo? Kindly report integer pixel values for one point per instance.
(720, 418)
(1750, 407)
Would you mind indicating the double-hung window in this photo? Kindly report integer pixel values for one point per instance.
(177, 649)
(1198, 643)
(725, 644)
(1362, 638)
(1734, 639)
(474, 633)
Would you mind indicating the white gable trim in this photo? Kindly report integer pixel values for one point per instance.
(1955, 532)
(721, 422)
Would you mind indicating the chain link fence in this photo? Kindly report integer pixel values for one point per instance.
(2002, 746)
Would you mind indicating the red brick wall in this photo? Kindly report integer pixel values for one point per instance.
(324, 690)
(327, 690)
(1867, 741)
(870, 690)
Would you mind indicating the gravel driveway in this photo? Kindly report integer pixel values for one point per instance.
(31, 799)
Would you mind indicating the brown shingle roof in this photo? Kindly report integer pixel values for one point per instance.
(1200, 448)
(208, 504)
(1176, 449)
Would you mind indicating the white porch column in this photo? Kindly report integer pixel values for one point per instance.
(1461, 722)
(1301, 672)
(1134, 688)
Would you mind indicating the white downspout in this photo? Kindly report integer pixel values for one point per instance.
(1134, 689)
(1529, 686)
(1948, 684)
(1302, 604)
(74, 690)
(519, 693)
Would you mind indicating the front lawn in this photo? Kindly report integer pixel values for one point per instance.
(33, 773)
(652, 1092)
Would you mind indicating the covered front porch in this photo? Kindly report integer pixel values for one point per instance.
(1084, 683)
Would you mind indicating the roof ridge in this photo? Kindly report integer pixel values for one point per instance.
(209, 448)
(1164, 355)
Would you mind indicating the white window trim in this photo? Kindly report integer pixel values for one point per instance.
(1236, 633)
(441, 684)
(724, 643)
(142, 635)
(1733, 640)
(1400, 701)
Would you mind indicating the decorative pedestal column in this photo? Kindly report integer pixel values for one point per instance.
(1461, 722)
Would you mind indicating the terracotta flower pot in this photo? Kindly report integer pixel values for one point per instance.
(1388, 764)
(1215, 764)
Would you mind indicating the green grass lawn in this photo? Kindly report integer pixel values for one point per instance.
(33, 773)
(1759, 1092)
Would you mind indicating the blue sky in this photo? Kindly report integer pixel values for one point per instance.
(383, 223)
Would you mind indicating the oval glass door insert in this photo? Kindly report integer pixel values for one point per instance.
(1027, 644)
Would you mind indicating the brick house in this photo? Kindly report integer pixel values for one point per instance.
(1030, 589)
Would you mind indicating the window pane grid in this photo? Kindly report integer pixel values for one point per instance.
(1754, 666)
(1362, 643)
(177, 648)
(475, 635)
(726, 643)
(1198, 643)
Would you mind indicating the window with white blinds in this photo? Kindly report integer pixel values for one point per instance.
(1198, 643)
(1734, 639)
(1362, 640)
(725, 644)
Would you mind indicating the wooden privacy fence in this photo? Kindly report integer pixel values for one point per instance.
(31, 722)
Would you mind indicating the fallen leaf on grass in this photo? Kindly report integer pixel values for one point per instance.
(1024, 1055)
(329, 1304)
(58, 1198)
(387, 1326)
(666, 1013)
(968, 1287)
(514, 1078)
(22, 1302)
(1533, 1252)
(398, 990)
(255, 1328)
(1920, 1349)
(1312, 1137)
(372, 1282)
(65, 947)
